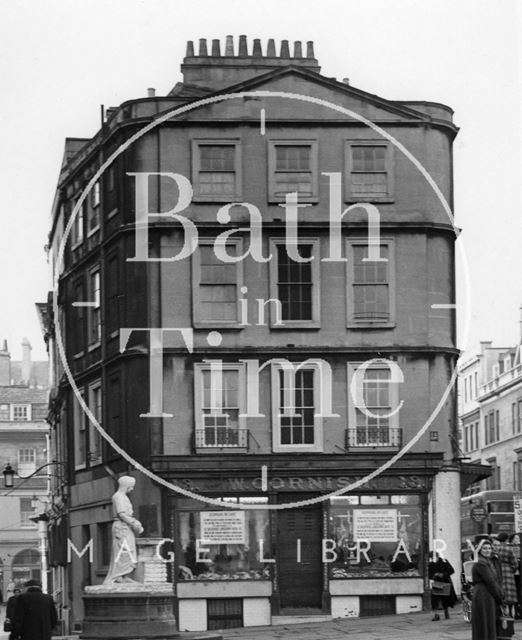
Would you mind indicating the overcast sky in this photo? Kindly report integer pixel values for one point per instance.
(61, 59)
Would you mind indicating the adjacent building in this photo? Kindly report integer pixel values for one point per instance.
(491, 414)
(281, 300)
(24, 446)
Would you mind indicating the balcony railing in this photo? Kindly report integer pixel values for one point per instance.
(373, 437)
(221, 437)
(502, 379)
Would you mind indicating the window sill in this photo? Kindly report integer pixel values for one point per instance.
(79, 355)
(232, 326)
(93, 231)
(371, 325)
(300, 199)
(234, 197)
(228, 449)
(296, 324)
(297, 448)
(112, 213)
(94, 345)
(380, 199)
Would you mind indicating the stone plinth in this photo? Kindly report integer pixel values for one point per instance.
(129, 611)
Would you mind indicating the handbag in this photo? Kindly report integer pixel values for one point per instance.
(439, 588)
(8, 625)
(505, 625)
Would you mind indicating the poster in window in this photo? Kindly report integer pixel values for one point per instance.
(223, 527)
(375, 525)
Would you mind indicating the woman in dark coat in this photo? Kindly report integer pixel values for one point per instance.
(441, 570)
(487, 595)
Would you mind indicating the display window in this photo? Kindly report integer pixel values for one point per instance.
(375, 536)
(223, 544)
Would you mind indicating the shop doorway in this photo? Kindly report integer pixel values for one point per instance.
(300, 583)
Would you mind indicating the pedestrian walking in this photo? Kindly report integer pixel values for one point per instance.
(487, 595)
(9, 612)
(35, 614)
(508, 569)
(442, 592)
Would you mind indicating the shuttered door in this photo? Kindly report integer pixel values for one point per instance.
(300, 584)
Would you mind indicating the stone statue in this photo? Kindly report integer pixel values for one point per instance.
(124, 530)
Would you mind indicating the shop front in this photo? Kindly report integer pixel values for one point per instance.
(363, 553)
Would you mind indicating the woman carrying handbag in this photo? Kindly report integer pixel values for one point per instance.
(443, 594)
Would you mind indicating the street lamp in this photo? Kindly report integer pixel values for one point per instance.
(9, 473)
(8, 476)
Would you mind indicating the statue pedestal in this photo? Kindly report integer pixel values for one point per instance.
(129, 610)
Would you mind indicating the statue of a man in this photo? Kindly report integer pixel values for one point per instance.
(124, 530)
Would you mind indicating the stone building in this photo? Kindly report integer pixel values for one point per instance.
(216, 404)
(24, 446)
(491, 414)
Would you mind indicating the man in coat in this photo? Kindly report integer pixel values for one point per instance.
(35, 614)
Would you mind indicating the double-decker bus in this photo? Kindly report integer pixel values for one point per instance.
(482, 514)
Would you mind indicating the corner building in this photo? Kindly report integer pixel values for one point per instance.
(327, 309)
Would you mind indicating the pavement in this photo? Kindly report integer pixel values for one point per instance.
(414, 626)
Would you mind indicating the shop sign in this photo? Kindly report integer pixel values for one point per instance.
(478, 514)
(375, 525)
(223, 527)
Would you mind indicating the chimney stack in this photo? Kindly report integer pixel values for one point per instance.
(229, 46)
(256, 51)
(151, 92)
(26, 361)
(203, 47)
(243, 51)
(5, 366)
(216, 51)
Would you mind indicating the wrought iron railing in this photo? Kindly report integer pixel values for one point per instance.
(373, 437)
(221, 437)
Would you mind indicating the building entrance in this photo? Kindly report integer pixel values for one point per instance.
(299, 553)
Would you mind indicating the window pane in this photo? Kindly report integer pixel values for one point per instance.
(295, 284)
(217, 157)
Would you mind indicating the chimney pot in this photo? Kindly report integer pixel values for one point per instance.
(229, 46)
(271, 49)
(151, 92)
(298, 50)
(216, 51)
(243, 52)
(203, 47)
(346, 80)
(256, 51)
(190, 49)
(4, 348)
(285, 49)
(310, 49)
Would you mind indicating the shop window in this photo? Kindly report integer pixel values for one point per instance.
(215, 285)
(229, 541)
(369, 171)
(20, 412)
(295, 396)
(224, 613)
(219, 402)
(216, 170)
(292, 168)
(295, 285)
(26, 461)
(380, 537)
(371, 285)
